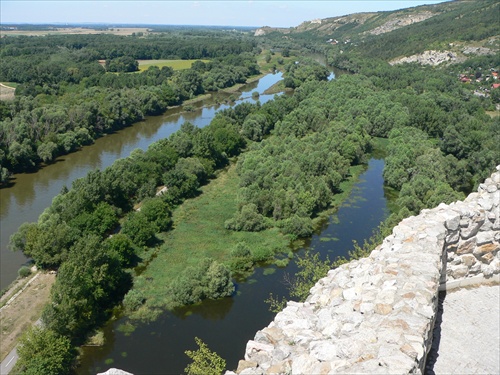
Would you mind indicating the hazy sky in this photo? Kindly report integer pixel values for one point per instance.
(283, 13)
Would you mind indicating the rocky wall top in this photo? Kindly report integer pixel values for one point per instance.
(376, 314)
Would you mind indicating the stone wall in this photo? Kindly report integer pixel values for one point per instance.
(376, 315)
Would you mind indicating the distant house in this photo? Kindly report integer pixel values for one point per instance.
(495, 85)
(464, 78)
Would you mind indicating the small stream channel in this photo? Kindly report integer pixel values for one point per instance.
(227, 324)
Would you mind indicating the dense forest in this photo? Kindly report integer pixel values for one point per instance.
(290, 155)
(66, 99)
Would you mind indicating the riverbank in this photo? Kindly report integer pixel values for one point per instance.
(199, 232)
(24, 310)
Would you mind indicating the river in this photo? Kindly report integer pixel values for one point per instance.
(31, 193)
(227, 324)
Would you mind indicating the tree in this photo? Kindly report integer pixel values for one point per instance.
(42, 351)
(139, 228)
(205, 361)
(88, 283)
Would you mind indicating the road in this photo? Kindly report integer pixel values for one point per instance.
(9, 362)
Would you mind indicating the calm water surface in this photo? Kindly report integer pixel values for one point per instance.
(226, 325)
(33, 192)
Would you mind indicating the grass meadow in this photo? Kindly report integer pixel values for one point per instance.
(175, 64)
(198, 233)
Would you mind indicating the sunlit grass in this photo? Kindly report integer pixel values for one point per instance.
(198, 233)
(175, 64)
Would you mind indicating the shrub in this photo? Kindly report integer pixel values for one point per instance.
(24, 271)
(208, 279)
(133, 300)
(248, 219)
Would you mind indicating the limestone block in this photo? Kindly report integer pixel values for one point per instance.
(323, 350)
(252, 371)
(473, 227)
(351, 294)
(457, 272)
(115, 371)
(485, 249)
(409, 350)
(486, 203)
(332, 329)
(485, 237)
(366, 307)
(254, 347)
(453, 224)
(475, 269)
(487, 226)
(452, 237)
(491, 188)
(303, 364)
(383, 308)
(491, 269)
(468, 260)
(284, 367)
(467, 247)
(280, 354)
(487, 258)
(242, 365)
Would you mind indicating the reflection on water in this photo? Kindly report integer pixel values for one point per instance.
(31, 193)
(226, 325)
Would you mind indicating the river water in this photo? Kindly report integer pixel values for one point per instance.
(31, 193)
(227, 324)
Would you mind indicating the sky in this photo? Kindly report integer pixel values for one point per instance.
(284, 13)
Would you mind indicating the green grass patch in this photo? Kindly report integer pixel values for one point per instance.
(175, 64)
(273, 63)
(199, 233)
(12, 85)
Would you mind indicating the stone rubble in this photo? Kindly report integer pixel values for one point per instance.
(376, 315)
(431, 57)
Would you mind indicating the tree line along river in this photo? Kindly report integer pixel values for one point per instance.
(31, 193)
(225, 325)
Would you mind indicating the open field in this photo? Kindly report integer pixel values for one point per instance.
(6, 91)
(175, 64)
(24, 311)
(75, 30)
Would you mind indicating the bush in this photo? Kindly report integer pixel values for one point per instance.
(248, 219)
(24, 271)
(133, 300)
(241, 258)
(205, 362)
(208, 279)
(297, 226)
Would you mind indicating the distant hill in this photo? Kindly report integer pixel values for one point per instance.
(459, 28)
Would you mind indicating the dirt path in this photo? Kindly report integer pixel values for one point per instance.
(6, 92)
(23, 311)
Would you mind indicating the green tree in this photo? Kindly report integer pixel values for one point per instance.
(88, 283)
(205, 361)
(42, 351)
(139, 228)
